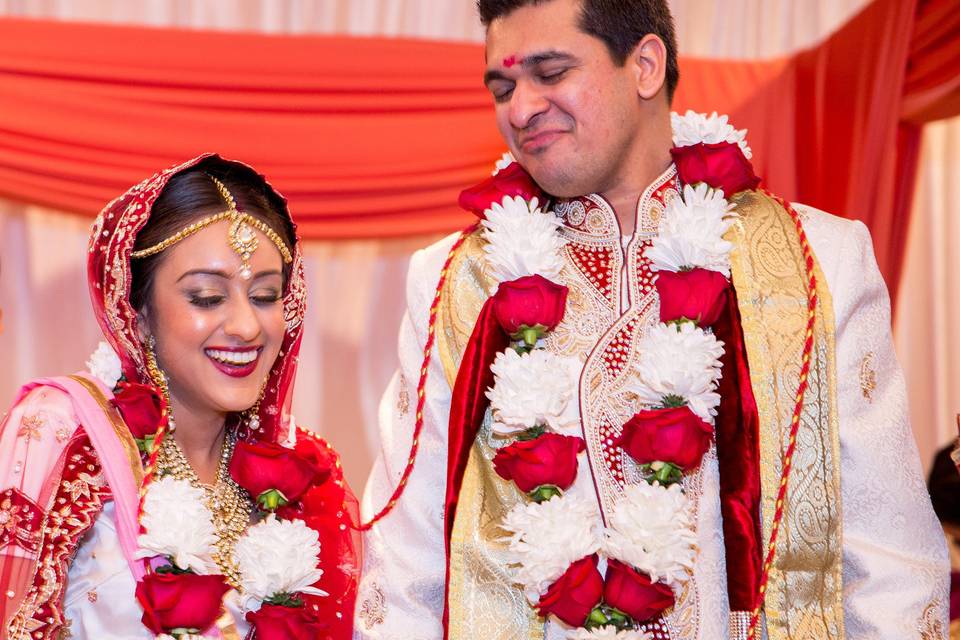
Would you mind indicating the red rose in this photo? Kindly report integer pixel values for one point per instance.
(274, 622)
(142, 408)
(574, 595)
(267, 467)
(527, 303)
(721, 165)
(512, 181)
(627, 590)
(698, 295)
(548, 459)
(677, 436)
(317, 454)
(180, 601)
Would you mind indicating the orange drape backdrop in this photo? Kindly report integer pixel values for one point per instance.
(374, 137)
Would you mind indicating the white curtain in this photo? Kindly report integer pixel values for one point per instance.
(927, 322)
(356, 288)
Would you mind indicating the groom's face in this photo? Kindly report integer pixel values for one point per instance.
(566, 110)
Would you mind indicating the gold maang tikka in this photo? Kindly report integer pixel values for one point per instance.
(241, 235)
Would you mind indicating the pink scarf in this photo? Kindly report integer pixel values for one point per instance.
(111, 440)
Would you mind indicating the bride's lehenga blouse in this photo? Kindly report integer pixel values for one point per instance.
(109, 527)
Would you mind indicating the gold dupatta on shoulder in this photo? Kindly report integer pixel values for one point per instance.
(484, 603)
(803, 597)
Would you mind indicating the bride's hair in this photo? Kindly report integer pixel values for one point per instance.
(192, 195)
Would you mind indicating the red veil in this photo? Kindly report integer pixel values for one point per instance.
(331, 504)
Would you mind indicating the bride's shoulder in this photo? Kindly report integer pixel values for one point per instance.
(34, 434)
(42, 412)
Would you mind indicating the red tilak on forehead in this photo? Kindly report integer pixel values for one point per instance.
(512, 60)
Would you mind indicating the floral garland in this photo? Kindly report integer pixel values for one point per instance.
(278, 559)
(555, 540)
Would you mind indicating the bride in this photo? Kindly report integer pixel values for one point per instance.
(169, 493)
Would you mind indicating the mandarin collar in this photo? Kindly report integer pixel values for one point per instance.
(592, 217)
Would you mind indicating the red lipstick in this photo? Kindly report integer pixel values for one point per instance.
(228, 360)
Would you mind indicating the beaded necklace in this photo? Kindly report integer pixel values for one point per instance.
(229, 503)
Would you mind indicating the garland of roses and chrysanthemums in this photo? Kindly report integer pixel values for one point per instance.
(278, 559)
(555, 539)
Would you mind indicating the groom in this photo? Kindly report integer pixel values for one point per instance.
(658, 400)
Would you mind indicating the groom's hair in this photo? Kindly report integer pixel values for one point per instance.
(620, 24)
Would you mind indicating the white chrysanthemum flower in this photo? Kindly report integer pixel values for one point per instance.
(546, 538)
(178, 525)
(522, 240)
(679, 361)
(503, 163)
(651, 528)
(276, 557)
(536, 388)
(693, 128)
(607, 633)
(105, 365)
(691, 232)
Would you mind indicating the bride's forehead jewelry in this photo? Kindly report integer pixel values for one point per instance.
(241, 235)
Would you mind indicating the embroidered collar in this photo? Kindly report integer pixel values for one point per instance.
(591, 217)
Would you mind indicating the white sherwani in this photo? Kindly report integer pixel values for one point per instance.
(894, 559)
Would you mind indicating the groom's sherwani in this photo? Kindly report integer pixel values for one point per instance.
(861, 554)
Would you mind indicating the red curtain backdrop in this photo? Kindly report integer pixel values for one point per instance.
(375, 137)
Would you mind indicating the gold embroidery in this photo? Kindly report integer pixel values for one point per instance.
(119, 427)
(487, 603)
(20, 519)
(92, 596)
(739, 624)
(403, 401)
(82, 485)
(227, 626)
(373, 610)
(40, 615)
(30, 427)
(803, 598)
(930, 626)
(9, 516)
(868, 376)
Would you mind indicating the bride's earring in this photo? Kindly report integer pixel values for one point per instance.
(159, 378)
(252, 415)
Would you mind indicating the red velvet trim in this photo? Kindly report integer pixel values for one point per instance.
(738, 449)
(467, 409)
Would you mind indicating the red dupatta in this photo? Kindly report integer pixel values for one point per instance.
(329, 507)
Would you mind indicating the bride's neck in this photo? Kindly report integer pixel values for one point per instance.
(200, 436)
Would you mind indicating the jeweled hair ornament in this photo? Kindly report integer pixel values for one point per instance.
(241, 235)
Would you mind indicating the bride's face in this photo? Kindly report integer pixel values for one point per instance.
(217, 333)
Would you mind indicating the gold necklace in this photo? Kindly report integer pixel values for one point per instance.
(228, 502)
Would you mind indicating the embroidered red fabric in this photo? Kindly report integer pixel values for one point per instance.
(82, 487)
(21, 520)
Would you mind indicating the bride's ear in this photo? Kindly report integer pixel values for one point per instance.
(143, 326)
